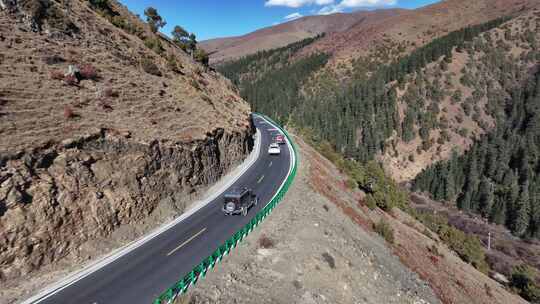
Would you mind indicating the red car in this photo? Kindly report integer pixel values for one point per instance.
(280, 139)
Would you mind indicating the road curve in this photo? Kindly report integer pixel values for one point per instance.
(145, 272)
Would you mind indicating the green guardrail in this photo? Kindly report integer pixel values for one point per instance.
(201, 269)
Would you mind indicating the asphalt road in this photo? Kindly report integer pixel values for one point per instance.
(144, 273)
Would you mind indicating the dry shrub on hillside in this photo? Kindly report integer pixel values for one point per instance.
(329, 260)
(52, 59)
(385, 230)
(266, 242)
(198, 71)
(194, 83)
(56, 75)
(150, 67)
(71, 80)
(72, 56)
(108, 92)
(68, 113)
(297, 284)
(87, 71)
(204, 82)
(104, 105)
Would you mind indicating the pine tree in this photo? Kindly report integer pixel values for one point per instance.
(520, 222)
(180, 36)
(154, 19)
(511, 196)
(485, 197)
(467, 199)
(192, 43)
(534, 226)
(498, 212)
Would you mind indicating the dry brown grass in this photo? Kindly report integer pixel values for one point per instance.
(56, 75)
(34, 90)
(414, 28)
(68, 113)
(88, 71)
(323, 180)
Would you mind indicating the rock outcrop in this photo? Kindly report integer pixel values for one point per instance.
(8, 5)
(39, 15)
(54, 199)
(107, 148)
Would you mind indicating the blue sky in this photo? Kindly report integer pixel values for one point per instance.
(223, 18)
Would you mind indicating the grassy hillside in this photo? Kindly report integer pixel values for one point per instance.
(130, 79)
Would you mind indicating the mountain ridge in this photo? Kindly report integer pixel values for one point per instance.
(224, 49)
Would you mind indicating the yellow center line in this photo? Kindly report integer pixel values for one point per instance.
(260, 179)
(186, 241)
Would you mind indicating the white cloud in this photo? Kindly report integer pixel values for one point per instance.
(297, 3)
(293, 16)
(330, 9)
(348, 4)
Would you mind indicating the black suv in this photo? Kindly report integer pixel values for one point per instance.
(238, 201)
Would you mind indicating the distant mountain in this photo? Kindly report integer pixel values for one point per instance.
(223, 49)
(413, 28)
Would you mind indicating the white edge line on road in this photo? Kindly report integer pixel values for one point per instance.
(291, 165)
(118, 253)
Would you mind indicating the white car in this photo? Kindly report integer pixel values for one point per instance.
(274, 149)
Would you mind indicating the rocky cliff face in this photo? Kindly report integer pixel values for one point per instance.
(54, 199)
(85, 157)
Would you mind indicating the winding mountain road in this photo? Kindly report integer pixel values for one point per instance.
(140, 275)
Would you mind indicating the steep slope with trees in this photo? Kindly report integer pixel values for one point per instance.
(358, 118)
(497, 177)
(472, 88)
(272, 80)
(411, 29)
(450, 103)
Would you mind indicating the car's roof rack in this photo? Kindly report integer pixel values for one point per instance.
(236, 192)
